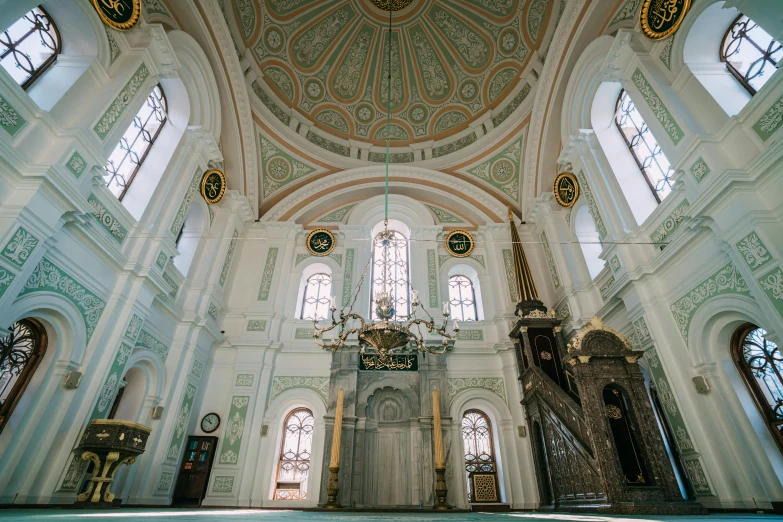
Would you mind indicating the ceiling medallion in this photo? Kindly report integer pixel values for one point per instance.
(460, 243)
(320, 242)
(391, 5)
(122, 15)
(213, 186)
(661, 18)
(566, 189)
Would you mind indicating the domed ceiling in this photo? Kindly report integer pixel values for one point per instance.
(451, 62)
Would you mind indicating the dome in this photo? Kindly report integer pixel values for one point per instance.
(452, 61)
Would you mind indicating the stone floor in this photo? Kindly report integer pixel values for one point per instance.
(258, 515)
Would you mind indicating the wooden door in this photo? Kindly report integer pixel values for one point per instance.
(194, 471)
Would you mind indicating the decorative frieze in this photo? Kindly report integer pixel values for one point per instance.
(592, 207)
(10, 120)
(117, 108)
(76, 164)
(280, 384)
(173, 286)
(604, 290)
(112, 383)
(107, 220)
(666, 53)
(772, 283)
(657, 107)
(727, 280)
(470, 335)
(244, 380)
(348, 276)
(256, 325)
(494, 384)
(165, 481)
(147, 341)
(19, 248)
(443, 216)
(266, 277)
(229, 257)
(627, 12)
(671, 223)
(614, 263)
(161, 260)
(6, 278)
(181, 423)
(179, 218)
(337, 215)
(771, 121)
(234, 430)
(198, 368)
(698, 478)
(114, 47)
(550, 260)
(213, 311)
(48, 277)
(700, 169)
(511, 282)
(754, 251)
(134, 328)
(304, 333)
(432, 278)
(223, 484)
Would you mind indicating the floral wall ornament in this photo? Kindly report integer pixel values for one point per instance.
(19, 247)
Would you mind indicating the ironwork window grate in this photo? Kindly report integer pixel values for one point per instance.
(645, 149)
(317, 297)
(462, 298)
(294, 465)
(750, 53)
(136, 142)
(392, 264)
(21, 350)
(477, 441)
(760, 362)
(29, 46)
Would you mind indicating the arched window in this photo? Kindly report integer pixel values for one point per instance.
(29, 47)
(761, 364)
(645, 148)
(294, 464)
(135, 144)
(462, 298)
(477, 442)
(21, 350)
(391, 265)
(317, 297)
(750, 53)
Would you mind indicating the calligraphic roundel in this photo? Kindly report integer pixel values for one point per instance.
(460, 243)
(121, 15)
(566, 189)
(213, 186)
(661, 18)
(320, 242)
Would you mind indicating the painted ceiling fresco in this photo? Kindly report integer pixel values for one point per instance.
(451, 62)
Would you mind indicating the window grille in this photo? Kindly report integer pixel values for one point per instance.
(750, 53)
(29, 47)
(135, 144)
(317, 297)
(294, 464)
(393, 264)
(462, 298)
(21, 350)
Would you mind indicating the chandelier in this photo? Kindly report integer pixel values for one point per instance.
(389, 332)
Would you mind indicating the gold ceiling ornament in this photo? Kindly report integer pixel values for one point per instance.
(391, 5)
(566, 189)
(459, 243)
(213, 186)
(660, 19)
(121, 15)
(320, 242)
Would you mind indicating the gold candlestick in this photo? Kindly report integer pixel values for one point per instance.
(333, 487)
(440, 463)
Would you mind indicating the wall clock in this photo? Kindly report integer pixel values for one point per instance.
(122, 15)
(460, 243)
(320, 242)
(210, 422)
(213, 186)
(566, 189)
(661, 18)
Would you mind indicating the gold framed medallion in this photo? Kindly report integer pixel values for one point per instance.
(566, 189)
(121, 15)
(661, 18)
(459, 243)
(320, 242)
(213, 186)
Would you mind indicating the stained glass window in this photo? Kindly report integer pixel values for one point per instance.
(477, 442)
(761, 364)
(391, 265)
(750, 53)
(317, 297)
(462, 298)
(135, 144)
(21, 350)
(645, 148)
(29, 47)
(294, 465)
